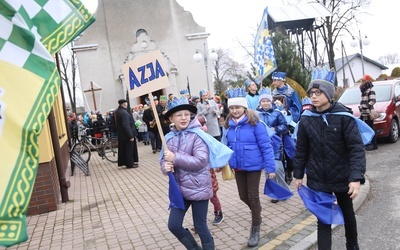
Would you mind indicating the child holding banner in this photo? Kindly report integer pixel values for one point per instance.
(188, 157)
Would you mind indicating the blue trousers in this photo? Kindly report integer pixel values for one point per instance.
(199, 212)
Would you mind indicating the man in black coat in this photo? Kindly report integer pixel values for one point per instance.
(126, 133)
(155, 139)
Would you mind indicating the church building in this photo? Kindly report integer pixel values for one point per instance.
(123, 30)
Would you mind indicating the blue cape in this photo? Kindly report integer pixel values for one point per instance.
(219, 154)
(366, 132)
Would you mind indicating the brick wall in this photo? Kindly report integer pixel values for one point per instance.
(44, 197)
(46, 193)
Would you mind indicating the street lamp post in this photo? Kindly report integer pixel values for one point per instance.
(360, 42)
(212, 55)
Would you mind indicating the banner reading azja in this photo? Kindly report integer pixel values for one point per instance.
(30, 32)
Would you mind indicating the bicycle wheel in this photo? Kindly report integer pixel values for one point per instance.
(83, 150)
(110, 152)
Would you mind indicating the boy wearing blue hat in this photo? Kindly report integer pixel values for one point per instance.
(330, 149)
(293, 103)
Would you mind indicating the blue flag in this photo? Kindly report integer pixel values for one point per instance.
(322, 205)
(175, 195)
(276, 191)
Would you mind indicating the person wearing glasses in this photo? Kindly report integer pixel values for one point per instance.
(330, 151)
(187, 156)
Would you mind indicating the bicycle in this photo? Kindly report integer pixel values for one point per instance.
(105, 149)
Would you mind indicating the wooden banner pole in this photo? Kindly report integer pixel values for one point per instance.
(153, 106)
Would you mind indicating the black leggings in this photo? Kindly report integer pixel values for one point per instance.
(350, 225)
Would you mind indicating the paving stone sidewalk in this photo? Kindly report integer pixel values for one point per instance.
(119, 208)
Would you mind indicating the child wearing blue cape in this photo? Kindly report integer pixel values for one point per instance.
(275, 120)
(330, 150)
(190, 154)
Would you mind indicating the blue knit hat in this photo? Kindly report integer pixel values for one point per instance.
(279, 76)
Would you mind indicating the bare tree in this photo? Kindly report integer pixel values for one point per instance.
(225, 69)
(68, 72)
(389, 59)
(345, 14)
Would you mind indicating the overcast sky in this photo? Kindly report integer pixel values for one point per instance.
(229, 21)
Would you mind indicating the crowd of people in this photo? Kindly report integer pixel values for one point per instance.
(257, 124)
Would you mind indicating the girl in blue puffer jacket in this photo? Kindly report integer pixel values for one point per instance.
(253, 154)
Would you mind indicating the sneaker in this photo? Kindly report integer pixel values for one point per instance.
(219, 217)
(154, 151)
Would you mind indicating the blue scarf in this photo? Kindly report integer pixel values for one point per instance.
(366, 132)
(219, 154)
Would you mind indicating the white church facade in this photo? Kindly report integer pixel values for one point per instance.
(125, 29)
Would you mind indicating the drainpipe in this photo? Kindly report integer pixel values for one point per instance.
(64, 185)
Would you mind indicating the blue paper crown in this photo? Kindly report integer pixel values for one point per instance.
(236, 92)
(184, 91)
(177, 101)
(323, 73)
(264, 91)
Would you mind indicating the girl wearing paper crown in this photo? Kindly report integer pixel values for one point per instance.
(189, 155)
(275, 120)
(330, 150)
(253, 154)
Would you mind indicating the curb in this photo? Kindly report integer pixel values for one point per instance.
(311, 240)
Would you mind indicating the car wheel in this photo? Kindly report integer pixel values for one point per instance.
(394, 131)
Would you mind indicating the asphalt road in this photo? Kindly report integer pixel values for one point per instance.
(378, 218)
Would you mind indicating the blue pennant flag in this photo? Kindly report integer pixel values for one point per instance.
(322, 205)
(276, 191)
(175, 195)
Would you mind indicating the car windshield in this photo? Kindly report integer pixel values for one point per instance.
(353, 96)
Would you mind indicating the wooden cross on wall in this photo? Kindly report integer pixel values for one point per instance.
(92, 89)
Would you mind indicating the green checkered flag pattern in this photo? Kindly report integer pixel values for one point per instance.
(30, 32)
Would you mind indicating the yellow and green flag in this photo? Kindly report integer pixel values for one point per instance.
(30, 32)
